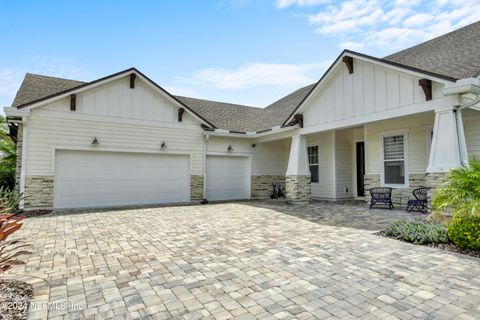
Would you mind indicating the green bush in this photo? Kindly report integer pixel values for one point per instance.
(418, 231)
(461, 192)
(464, 231)
(7, 178)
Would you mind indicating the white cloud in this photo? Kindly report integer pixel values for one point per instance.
(387, 25)
(301, 3)
(257, 74)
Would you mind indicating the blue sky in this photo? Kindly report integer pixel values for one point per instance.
(243, 51)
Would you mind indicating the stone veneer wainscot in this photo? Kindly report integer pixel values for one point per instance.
(196, 187)
(262, 185)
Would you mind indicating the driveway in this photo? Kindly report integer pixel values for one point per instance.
(242, 260)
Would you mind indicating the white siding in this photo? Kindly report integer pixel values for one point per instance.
(53, 129)
(417, 141)
(344, 163)
(116, 99)
(268, 158)
(472, 135)
(370, 89)
(326, 186)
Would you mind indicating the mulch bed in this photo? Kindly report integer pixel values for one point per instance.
(15, 298)
(444, 246)
(33, 213)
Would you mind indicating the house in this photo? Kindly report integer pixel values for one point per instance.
(402, 121)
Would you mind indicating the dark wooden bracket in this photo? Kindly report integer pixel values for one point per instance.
(133, 76)
(73, 102)
(426, 85)
(299, 119)
(349, 62)
(180, 114)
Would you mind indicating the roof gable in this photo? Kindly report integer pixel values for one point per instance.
(83, 86)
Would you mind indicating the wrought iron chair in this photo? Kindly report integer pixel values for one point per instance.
(381, 196)
(420, 203)
(277, 191)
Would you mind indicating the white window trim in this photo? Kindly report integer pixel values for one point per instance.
(315, 144)
(403, 132)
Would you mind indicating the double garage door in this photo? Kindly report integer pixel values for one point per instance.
(99, 179)
(102, 179)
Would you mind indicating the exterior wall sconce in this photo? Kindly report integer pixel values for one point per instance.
(95, 142)
(163, 146)
(229, 149)
(254, 145)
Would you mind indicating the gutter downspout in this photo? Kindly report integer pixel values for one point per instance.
(23, 172)
(205, 139)
(461, 131)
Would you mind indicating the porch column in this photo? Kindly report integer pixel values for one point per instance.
(297, 178)
(448, 148)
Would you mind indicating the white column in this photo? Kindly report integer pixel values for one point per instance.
(298, 160)
(447, 143)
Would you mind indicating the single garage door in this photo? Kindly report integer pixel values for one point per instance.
(98, 179)
(228, 178)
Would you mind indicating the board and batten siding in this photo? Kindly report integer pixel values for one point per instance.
(368, 90)
(115, 99)
(417, 127)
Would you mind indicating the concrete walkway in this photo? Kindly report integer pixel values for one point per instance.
(243, 260)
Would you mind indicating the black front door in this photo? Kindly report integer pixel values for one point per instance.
(360, 152)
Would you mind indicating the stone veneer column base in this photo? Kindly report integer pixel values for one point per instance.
(436, 180)
(261, 186)
(298, 189)
(400, 196)
(38, 192)
(196, 188)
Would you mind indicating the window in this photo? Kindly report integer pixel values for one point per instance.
(394, 159)
(313, 163)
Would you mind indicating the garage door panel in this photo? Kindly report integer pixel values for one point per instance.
(228, 177)
(89, 179)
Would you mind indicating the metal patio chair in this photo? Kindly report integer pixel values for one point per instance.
(420, 203)
(381, 196)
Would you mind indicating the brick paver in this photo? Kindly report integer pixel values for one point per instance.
(252, 260)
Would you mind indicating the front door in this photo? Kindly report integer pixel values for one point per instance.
(360, 156)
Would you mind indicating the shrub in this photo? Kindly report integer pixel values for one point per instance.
(418, 231)
(464, 231)
(9, 200)
(461, 192)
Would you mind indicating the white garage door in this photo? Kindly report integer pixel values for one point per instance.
(97, 179)
(228, 178)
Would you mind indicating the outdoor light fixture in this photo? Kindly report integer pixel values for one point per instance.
(163, 146)
(229, 149)
(95, 142)
(254, 145)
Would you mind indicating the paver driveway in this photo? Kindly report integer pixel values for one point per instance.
(240, 260)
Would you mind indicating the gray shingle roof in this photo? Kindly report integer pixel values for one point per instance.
(455, 54)
(35, 86)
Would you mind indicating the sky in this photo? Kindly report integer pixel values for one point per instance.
(249, 52)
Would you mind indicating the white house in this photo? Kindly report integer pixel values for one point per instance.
(400, 121)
